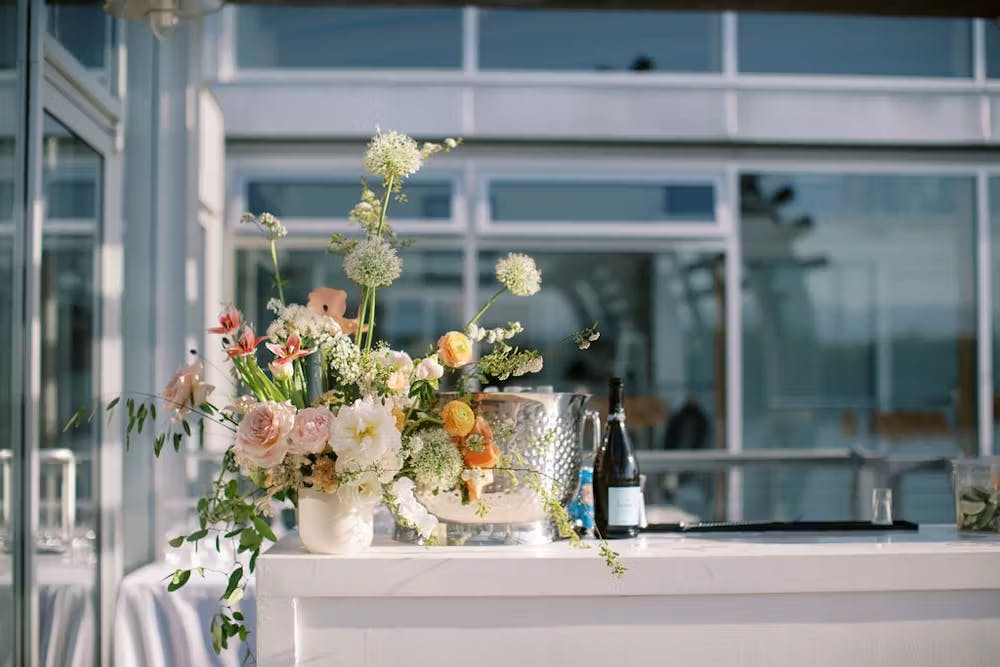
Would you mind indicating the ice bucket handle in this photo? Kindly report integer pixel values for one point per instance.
(594, 417)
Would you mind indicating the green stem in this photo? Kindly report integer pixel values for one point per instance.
(362, 315)
(486, 307)
(371, 322)
(389, 182)
(277, 273)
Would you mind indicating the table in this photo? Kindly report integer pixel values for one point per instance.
(155, 628)
(67, 617)
(927, 598)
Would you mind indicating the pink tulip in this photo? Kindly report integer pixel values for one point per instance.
(246, 345)
(229, 321)
(290, 351)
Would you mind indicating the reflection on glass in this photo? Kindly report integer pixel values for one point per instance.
(315, 199)
(859, 326)
(863, 45)
(348, 37)
(995, 298)
(661, 319)
(412, 313)
(8, 140)
(68, 511)
(85, 30)
(992, 49)
(583, 202)
(599, 40)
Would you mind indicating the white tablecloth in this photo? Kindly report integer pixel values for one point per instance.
(66, 613)
(155, 628)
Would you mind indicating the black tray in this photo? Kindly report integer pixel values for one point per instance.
(776, 527)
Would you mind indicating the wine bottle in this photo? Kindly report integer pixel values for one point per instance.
(617, 495)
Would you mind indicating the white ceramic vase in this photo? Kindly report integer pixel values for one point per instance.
(327, 525)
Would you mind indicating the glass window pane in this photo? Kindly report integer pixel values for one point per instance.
(992, 49)
(995, 298)
(67, 539)
(307, 37)
(599, 40)
(86, 31)
(10, 282)
(864, 45)
(427, 200)
(661, 317)
(859, 321)
(524, 201)
(412, 312)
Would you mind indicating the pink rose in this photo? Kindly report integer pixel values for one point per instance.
(262, 437)
(311, 431)
(186, 391)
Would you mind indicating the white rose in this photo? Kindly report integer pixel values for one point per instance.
(311, 431)
(262, 436)
(429, 368)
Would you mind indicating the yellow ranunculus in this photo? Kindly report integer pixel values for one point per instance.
(454, 349)
(458, 418)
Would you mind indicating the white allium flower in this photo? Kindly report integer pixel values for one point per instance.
(363, 434)
(392, 155)
(518, 273)
(439, 463)
(373, 263)
(410, 510)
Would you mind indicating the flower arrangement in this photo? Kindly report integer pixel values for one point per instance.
(335, 411)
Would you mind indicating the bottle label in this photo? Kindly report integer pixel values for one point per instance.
(624, 503)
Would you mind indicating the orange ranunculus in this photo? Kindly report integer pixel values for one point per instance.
(454, 349)
(332, 303)
(458, 418)
(487, 457)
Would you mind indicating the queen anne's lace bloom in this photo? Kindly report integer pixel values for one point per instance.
(518, 273)
(392, 155)
(438, 462)
(373, 263)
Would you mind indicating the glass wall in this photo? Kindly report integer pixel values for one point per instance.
(338, 37)
(994, 198)
(884, 46)
(661, 319)
(859, 325)
(68, 513)
(600, 41)
(9, 140)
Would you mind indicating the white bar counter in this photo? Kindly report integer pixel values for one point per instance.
(929, 598)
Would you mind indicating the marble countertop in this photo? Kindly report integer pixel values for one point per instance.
(933, 559)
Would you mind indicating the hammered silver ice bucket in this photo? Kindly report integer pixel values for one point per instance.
(547, 430)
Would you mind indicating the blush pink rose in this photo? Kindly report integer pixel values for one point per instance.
(311, 431)
(186, 391)
(262, 437)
